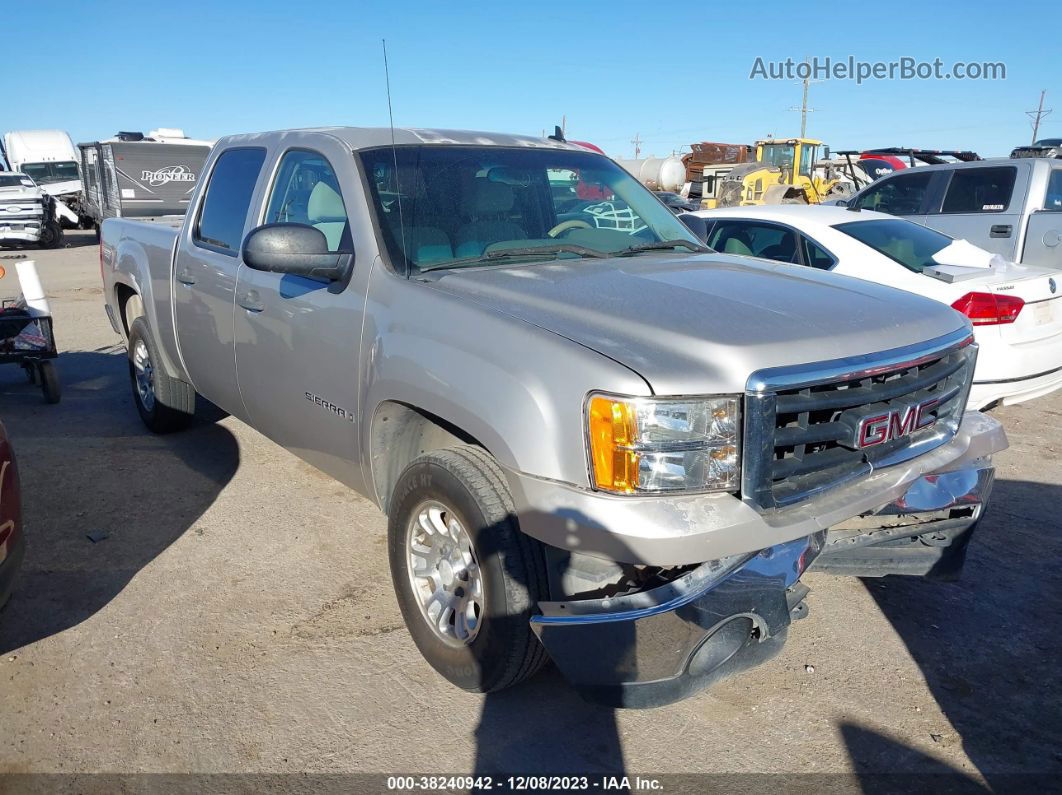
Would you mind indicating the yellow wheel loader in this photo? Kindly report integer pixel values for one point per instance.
(785, 172)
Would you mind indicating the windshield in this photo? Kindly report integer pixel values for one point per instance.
(454, 206)
(15, 181)
(911, 245)
(780, 155)
(47, 173)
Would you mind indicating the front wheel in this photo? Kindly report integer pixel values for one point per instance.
(467, 580)
(51, 235)
(165, 404)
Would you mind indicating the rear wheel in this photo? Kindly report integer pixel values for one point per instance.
(165, 404)
(467, 580)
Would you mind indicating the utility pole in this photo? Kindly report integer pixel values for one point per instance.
(804, 109)
(637, 141)
(1037, 115)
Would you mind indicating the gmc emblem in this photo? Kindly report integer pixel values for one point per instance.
(870, 430)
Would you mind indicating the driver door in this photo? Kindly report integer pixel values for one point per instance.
(297, 337)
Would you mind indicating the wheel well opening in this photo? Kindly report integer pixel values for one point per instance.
(130, 306)
(399, 434)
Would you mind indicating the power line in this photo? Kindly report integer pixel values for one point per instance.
(637, 141)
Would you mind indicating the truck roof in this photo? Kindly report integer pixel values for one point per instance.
(372, 137)
(44, 146)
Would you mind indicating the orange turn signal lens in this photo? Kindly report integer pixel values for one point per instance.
(613, 431)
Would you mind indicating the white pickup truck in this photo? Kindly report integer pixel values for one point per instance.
(27, 214)
(595, 439)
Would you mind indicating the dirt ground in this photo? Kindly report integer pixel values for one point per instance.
(238, 617)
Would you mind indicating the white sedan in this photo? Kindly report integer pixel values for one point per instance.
(1015, 310)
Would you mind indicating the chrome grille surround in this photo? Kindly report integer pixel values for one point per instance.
(792, 437)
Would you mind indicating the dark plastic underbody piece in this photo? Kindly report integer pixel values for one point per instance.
(659, 646)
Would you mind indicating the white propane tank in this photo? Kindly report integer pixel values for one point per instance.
(658, 173)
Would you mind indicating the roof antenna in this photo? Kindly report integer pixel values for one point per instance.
(394, 154)
(558, 134)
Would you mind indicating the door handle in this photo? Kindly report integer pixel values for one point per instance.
(251, 302)
(1000, 230)
(184, 276)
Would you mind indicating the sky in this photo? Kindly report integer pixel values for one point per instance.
(670, 73)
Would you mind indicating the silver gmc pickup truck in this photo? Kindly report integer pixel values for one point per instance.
(595, 439)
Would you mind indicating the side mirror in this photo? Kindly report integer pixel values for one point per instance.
(825, 153)
(695, 224)
(294, 248)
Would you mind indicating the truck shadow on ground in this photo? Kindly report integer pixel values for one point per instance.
(989, 648)
(89, 467)
(582, 738)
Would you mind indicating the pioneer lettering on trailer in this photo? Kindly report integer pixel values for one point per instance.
(328, 405)
(167, 174)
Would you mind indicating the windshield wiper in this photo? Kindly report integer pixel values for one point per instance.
(661, 246)
(527, 251)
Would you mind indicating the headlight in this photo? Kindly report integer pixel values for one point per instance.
(658, 445)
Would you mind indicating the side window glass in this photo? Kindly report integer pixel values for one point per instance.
(899, 195)
(980, 190)
(307, 192)
(754, 240)
(224, 210)
(731, 237)
(773, 242)
(815, 256)
(1053, 199)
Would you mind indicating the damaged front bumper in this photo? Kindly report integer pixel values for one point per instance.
(923, 533)
(658, 646)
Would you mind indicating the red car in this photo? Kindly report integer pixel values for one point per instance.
(12, 542)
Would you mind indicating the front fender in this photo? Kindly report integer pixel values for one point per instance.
(517, 389)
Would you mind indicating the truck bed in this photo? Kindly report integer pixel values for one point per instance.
(130, 249)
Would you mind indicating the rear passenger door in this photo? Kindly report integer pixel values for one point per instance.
(208, 258)
(983, 204)
(297, 338)
(1043, 234)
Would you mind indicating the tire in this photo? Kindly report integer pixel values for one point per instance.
(49, 382)
(51, 235)
(165, 404)
(468, 484)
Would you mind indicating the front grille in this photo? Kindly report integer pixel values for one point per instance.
(801, 430)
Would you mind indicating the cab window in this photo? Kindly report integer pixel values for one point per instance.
(1053, 199)
(224, 210)
(980, 190)
(754, 240)
(306, 191)
(902, 194)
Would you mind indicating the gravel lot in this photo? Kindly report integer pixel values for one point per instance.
(239, 617)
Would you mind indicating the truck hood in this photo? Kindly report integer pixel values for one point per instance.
(62, 188)
(19, 192)
(703, 323)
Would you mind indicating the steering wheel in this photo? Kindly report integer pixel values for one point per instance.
(564, 226)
